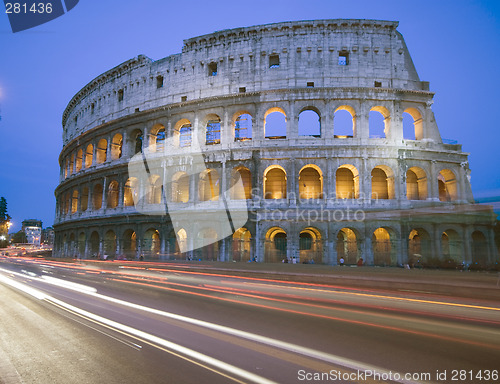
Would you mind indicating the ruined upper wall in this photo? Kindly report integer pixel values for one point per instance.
(308, 53)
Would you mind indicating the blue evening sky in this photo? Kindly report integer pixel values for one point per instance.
(454, 44)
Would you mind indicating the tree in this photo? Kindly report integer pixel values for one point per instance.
(19, 237)
(4, 223)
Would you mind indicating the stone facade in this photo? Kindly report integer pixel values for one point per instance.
(314, 191)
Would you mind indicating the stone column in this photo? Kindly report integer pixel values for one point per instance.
(104, 200)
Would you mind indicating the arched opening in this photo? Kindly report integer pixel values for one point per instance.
(72, 246)
(66, 203)
(416, 184)
(79, 160)
(452, 246)
(84, 204)
(89, 156)
(180, 187)
(137, 140)
(384, 251)
(412, 124)
(113, 193)
(74, 202)
(347, 182)
(94, 244)
(310, 182)
(309, 123)
(378, 122)
(97, 196)
(116, 146)
(71, 163)
(66, 167)
(275, 246)
(479, 250)
(310, 246)
(419, 247)
(208, 188)
(155, 190)
(243, 127)
(210, 251)
(129, 244)
(347, 246)
(130, 192)
(382, 183)
(275, 183)
(102, 147)
(183, 133)
(447, 185)
(242, 245)
(275, 124)
(212, 132)
(177, 244)
(246, 180)
(109, 245)
(151, 244)
(344, 122)
(81, 245)
(157, 138)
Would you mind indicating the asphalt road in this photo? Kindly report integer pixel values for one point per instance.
(76, 323)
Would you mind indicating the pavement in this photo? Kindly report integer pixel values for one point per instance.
(481, 285)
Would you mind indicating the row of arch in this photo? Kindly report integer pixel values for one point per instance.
(310, 186)
(275, 119)
(311, 246)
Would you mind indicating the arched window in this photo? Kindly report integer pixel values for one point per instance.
(66, 167)
(97, 196)
(157, 138)
(208, 188)
(66, 203)
(447, 185)
(416, 184)
(275, 183)
(94, 244)
(243, 127)
(347, 182)
(242, 245)
(155, 190)
(151, 242)
(310, 183)
(102, 148)
(74, 202)
(79, 160)
(309, 123)
(275, 124)
(275, 246)
(160, 140)
(384, 252)
(138, 139)
(344, 122)
(89, 156)
(347, 246)
(183, 133)
(109, 244)
(382, 183)
(412, 124)
(84, 205)
(379, 122)
(71, 164)
(246, 183)
(116, 146)
(113, 194)
(180, 187)
(213, 130)
(130, 192)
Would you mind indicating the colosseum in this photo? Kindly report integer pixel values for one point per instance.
(325, 123)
